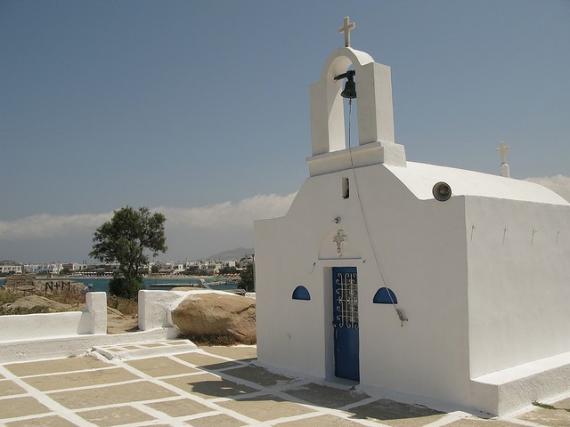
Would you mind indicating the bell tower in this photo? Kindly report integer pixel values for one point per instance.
(375, 112)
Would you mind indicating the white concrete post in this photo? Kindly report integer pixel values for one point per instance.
(375, 107)
(327, 117)
(154, 308)
(97, 308)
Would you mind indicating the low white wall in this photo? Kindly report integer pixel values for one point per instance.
(513, 389)
(53, 325)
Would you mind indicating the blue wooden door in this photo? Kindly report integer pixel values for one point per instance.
(345, 322)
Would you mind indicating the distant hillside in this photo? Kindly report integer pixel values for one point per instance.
(232, 254)
(9, 262)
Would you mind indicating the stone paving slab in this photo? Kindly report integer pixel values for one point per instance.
(152, 345)
(55, 365)
(115, 416)
(478, 422)
(177, 342)
(49, 421)
(142, 350)
(265, 408)
(216, 421)
(161, 367)
(104, 393)
(234, 352)
(130, 347)
(8, 388)
(80, 379)
(21, 406)
(321, 421)
(396, 414)
(179, 407)
(209, 386)
(205, 361)
(258, 375)
(110, 395)
(549, 417)
(329, 397)
(113, 348)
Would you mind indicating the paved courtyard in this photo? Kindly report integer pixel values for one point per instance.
(214, 386)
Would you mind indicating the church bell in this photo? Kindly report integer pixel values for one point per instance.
(349, 91)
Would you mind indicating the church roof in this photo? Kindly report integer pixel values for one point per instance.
(421, 177)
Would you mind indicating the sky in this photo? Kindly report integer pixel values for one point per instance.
(200, 108)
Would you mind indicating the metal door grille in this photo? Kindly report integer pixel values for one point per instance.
(346, 300)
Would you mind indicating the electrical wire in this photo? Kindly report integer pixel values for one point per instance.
(363, 213)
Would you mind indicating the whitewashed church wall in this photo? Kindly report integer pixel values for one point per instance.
(93, 320)
(519, 282)
(421, 246)
(289, 333)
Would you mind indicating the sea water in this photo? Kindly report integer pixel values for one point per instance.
(102, 284)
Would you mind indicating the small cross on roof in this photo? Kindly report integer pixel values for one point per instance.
(346, 28)
(503, 150)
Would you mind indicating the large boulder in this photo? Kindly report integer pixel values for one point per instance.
(28, 283)
(216, 317)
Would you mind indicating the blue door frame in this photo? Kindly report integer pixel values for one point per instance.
(345, 323)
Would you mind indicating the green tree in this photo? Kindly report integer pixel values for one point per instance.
(247, 277)
(228, 270)
(127, 239)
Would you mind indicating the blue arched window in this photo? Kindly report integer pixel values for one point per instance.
(385, 296)
(301, 293)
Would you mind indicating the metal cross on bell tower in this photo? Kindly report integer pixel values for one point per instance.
(346, 28)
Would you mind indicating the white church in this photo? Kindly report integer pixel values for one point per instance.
(417, 282)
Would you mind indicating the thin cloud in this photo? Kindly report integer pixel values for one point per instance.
(230, 215)
(47, 225)
(226, 215)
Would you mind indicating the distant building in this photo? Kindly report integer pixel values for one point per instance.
(74, 267)
(35, 268)
(11, 269)
(55, 268)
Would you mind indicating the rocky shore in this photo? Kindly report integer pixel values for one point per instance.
(28, 283)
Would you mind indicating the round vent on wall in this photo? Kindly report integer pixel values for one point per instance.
(442, 191)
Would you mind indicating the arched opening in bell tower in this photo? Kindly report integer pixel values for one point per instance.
(350, 113)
